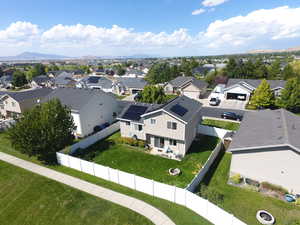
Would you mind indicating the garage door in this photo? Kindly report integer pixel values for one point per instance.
(237, 96)
(190, 94)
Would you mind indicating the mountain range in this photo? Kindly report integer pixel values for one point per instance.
(32, 56)
(294, 49)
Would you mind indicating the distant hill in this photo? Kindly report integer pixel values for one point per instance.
(294, 49)
(33, 56)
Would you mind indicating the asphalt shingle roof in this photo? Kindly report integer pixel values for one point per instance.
(101, 82)
(255, 82)
(268, 128)
(179, 81)
(30, 94)
(130, 82)
(74, 98)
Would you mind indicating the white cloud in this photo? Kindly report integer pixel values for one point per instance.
(259, 25)
(198, 11)
(211, 3)
(18, 34)
(271, 28)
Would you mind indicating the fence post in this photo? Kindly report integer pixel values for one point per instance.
(118, 176)
(134, 181)
(153, 187)
(174, 193)
(108, 173)
(80, 165)
(94, 169)
(185, 197)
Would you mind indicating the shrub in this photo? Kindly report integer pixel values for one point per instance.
(236, 179)
(211, 194)
(141, 144)
(273, 187)
(131, 142)
(297, 202)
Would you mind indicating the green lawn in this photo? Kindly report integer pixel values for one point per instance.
(245, 203)
(137, 161)
(27, 198)
(221, 124)
(179, 214)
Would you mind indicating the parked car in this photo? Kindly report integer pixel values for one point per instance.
(231, 116)
(100, 127)
(214, 101)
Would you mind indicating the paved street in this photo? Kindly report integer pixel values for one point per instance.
(216, 112)
(153, 214)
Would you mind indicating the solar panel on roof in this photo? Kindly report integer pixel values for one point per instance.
(134, 112)
(179, 110)
(93, 79)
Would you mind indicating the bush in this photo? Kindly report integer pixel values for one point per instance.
(131, 142)
(236, 179)
(211, 194)
(273, 187)
(297, 202)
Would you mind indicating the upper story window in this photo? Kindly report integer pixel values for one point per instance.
(153, 121)
(172, 125)
(13, 104)
(127, 123)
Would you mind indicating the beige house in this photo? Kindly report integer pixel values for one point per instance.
(16, 103)
(168, 129)
(188, 86)
(267, 148)
(89, 107)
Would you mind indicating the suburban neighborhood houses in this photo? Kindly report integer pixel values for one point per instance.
(150, 112)
(266, 148)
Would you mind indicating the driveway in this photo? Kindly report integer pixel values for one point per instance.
(217, 112)
(226, 104)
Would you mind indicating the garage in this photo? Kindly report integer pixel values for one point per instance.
(192, 94)
(236, 96)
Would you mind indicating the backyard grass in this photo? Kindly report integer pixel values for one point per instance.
(221, 124)
(27, 198)
(137, 161)
(244, 203)
(170, 97)
(179, 214)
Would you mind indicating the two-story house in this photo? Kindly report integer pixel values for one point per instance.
(89, 107)
(15, 103)
(168, 129)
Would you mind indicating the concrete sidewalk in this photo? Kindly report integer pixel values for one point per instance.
(148, 211)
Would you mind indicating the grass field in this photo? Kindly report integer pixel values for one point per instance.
(179, 214)
(137, 161)
(27, 198)
(245, 203)
(221, 124)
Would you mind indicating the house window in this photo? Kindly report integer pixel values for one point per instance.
(138, 127)
(153, 121)
(171, 125)
(13, 104)
(173, 142)
(159, 142)
(127, 123)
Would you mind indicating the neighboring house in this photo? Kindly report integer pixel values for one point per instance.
(89, 107)
(168, 129)
(241, 89)
(188, 86)
(96, 82)
(41, 81)
(16, 103)
(267, 148)
(134, 73)
(6, 82)
(128, 85)
(2, 111)
(64, 79)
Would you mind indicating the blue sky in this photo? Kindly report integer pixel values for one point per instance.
(157, 27)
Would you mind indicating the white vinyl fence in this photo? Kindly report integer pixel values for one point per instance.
(86, 142)
(212, 131)
(199, 177)
(181, 196)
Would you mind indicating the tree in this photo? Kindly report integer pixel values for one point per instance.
(263, 95)
(231, 68)
(152, 94)
(159, 73)
(288, 72)
(43, 130)
(121, 70)
(274, 70)
(290, 96)
(36, 70)
(19, 79)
